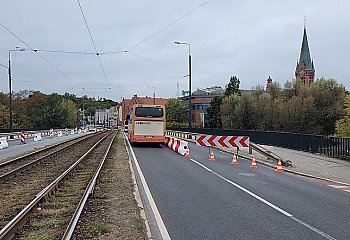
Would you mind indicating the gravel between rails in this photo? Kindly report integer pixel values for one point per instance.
(113, 213)
(20, 190)
(51, 219)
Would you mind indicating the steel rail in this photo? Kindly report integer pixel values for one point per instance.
(19, 220)
(88, 191)
(16, 170)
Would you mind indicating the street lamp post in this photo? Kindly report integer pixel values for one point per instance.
(154, 94)
(189, 83)
(10, 86)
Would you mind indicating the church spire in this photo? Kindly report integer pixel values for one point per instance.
(305, 52)
(305, 70)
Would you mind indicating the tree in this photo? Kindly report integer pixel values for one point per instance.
(5, 115)
(214, 112)
(70, 112)
(50, 114)
(343, 125)
(274, 89)
(329, 103)
(176, 113)
(258, 90)
(263, 112)
(233, 86)
(244, 112)
(228, 108)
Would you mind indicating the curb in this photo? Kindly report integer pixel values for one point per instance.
(138, 196)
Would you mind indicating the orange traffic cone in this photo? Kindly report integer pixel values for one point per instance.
(187, 153)
(253, 164)
(234, 160)
(279, 166)
(212, 157)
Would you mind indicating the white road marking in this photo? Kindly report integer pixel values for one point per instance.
(201, 165)
(159, 220)
(341, 187)
(323, 234)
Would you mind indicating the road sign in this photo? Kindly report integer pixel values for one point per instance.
(222, 141)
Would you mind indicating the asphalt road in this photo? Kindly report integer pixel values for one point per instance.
(198, 199)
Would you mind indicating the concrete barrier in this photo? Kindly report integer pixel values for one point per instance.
(3, 143)
(37, 137)
(183, 147)
(177, 145)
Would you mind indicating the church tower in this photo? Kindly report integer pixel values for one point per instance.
(305, 70)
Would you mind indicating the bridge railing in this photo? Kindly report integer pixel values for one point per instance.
(335, 147)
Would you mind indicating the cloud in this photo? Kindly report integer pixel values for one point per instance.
(249, 39)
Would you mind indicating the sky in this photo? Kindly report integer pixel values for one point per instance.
(134, 40)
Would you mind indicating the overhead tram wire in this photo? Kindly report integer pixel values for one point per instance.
(74, 52)
(149, 60)
(93, 43)
(47, 61)
(67, 52)
(170, 24)
(3, 66)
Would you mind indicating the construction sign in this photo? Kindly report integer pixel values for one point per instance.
(222, 141)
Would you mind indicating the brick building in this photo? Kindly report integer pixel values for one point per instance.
(200, 101)
(305, 70)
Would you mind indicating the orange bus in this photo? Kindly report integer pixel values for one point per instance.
(147, 123)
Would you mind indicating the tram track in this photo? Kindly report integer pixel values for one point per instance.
(52, 218)
(27, 160)
(23, 187)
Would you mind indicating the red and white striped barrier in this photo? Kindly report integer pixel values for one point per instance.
(22, 137)
(51, 133)
(222, 141)
(178, 145)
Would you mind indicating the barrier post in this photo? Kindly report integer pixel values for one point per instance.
(22, 137)
(51, 133)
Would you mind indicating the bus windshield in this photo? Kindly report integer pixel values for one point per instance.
(149, 112)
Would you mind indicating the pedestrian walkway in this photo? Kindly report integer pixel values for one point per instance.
(308, 163)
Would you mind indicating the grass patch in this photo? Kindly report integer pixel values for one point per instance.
(102, 197)
(99, 228)
(138, 226)
(44, 237)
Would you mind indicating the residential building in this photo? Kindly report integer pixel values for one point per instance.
(106, 117)
(102, 116)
